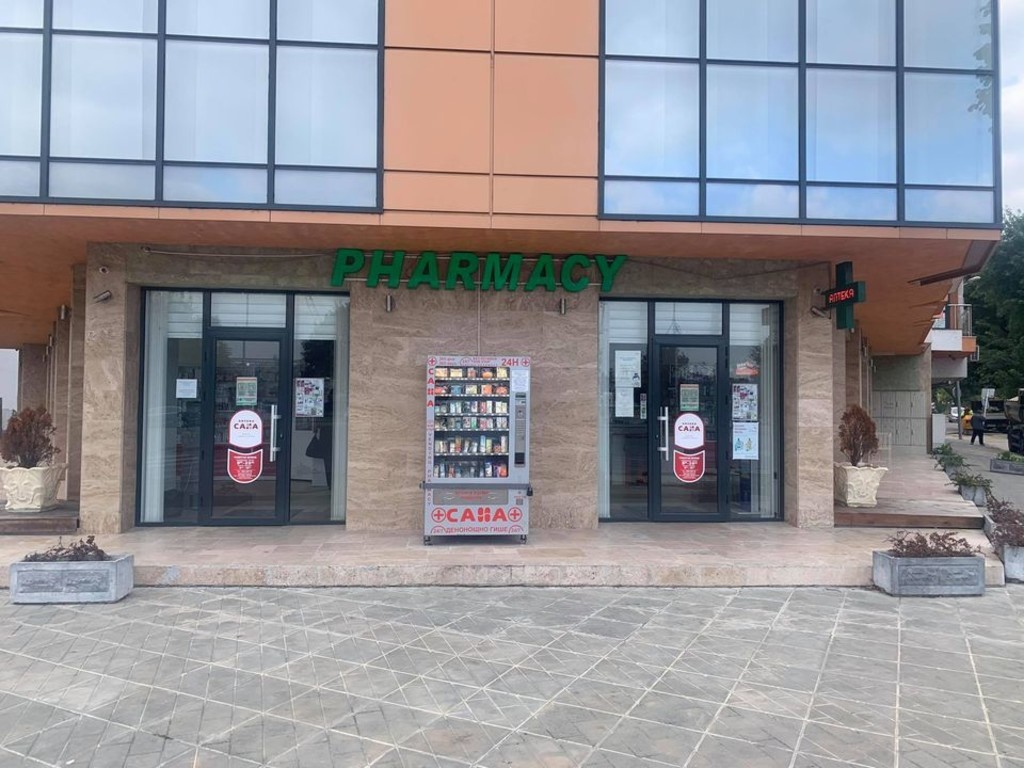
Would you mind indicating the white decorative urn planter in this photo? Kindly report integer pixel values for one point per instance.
(857, 486)
(32, 489)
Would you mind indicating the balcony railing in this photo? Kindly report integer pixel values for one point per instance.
(955, 317)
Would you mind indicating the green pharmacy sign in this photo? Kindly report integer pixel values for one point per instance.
(492, 272)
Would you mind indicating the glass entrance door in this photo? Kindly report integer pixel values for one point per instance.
(686, 438)
(247, 429)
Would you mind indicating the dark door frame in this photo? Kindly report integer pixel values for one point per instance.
(659, 342)
(282, 496)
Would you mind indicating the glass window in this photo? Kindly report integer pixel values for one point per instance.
(652, 27)
(950, 205)
(851, 125)
(326, 107)
(752, 122)
(652, 198)
(753, 30)
(755, 389)
(352, 21)
(685, 318)
(776, 201)
(21, 13)
(325, 188)
(219, 18)
(319, 429)
(103, 181)
(170, 424)
(215, 185)
(19, 178)
(851, 32)
(948, 33)
(21, 62)
(216, 102)
(106, 15)
(948, 129)
(248, 310)
(853, 203)
(104, 98)
(652, 116)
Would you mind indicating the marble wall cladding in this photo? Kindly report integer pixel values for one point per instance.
(32, 376)
(104, 506)
(840, 397)
(61, 357)
(901, 397)
(854, 368)
(808, 408)
(76, 362)
(710, 278)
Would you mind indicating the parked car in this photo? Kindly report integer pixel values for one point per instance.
(954, 414)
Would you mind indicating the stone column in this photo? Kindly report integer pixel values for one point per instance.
(76, 360)
(854, 369)
(59, 411)
(807, 410)
(840, 397)
(106, 505)
(32, 379)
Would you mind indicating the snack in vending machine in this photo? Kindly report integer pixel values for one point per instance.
(488, 469)
(455, 373)
(486, 389)
(502, 470)
(490, 445)
(504, 443)
(502, 373)
(440, 373)
(483, 444)
(487, 373)
(501, 389)
(471, 373)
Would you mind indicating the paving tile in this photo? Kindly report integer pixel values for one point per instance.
(321, 707)
(330, 748)
(693, 685)
(606, 628)
(864, 716)
(262, 738)
(385, 722)
(932, 701)
(916, 754)
(716, 752)
(466, 670)
(666, 708)
(623, 672)
(404, 758)
(858, 688)
(653, 741)
(757, 727)
(606, 697)
(848, 745)
(456, 739)
(589, 645)
(705, 663)
(563, 662)
(531, 682)
(569, 723)
(602, 758)
(763, 698)
(529, 749)
(943, 679)
(506, 710)
(22, 717)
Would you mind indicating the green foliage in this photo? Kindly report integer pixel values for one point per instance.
(998, 300)
(951, 460)
(969, 480)
(1008, 456)
(857, 436)
(28, 438)
(943, 449)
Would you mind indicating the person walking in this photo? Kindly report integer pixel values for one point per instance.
(978, 427)
(965, 421)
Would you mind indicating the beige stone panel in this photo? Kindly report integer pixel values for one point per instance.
(545, 116)
(543, 26)
(60, 358)
(710, 278)
(839, 395)
(32, 383)
(437, 116)
(461, 193)
(544, 195)
(447, 24)
(852, 373)
(76, 364)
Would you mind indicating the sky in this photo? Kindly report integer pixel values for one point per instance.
(1012, 56)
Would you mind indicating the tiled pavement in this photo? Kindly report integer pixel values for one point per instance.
(554, 678)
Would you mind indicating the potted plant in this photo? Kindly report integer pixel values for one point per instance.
(972, 486)
(78, 573)
(998, 511)
(936, 565)
(27, 442)
(950, 462)
(1008, 540)
(856, 485)
(1007, 463)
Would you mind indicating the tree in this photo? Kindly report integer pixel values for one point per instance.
(998, 299)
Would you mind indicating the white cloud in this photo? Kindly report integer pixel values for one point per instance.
(1012, 71)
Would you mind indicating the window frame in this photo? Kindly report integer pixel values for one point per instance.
(161, 36)
(802, 65)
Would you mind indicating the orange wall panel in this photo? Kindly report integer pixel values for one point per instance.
(463, 193)
(547, 26)
(455, 24)
(545, 116)
(536, 194)
(437, 111)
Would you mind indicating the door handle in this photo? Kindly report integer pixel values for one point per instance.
(274, 416)
(663, 447)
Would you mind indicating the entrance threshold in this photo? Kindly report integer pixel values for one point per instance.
(623, 554)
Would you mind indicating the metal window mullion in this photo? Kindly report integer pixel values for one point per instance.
(997, 137)
(802, 108)
(901, 141)
(602, 61)
(272, 102)
(161, 87)
(380, 105)
(45, 100)
(702, 189)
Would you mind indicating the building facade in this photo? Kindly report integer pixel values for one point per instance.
(287, 206)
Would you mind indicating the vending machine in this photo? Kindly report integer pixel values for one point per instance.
(477, 478)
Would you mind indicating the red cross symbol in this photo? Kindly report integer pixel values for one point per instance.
(438, 515)
(514, 514)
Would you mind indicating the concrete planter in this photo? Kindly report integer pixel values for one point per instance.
(990, 526)
(1006, 467)
(1013, 563)
(857, 486)
(99, 581)
(32, 489)
(929, 576)
(974, 494)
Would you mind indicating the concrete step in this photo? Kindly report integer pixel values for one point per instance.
(60, 522)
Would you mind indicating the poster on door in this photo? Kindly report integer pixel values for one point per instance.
(245, 390)
(689, 397)
(245, 468)
(309, 397)
(745, 436)
(688, 461)
(245, 429)
(744, 402)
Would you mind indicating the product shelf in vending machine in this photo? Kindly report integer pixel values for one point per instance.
(477, 471)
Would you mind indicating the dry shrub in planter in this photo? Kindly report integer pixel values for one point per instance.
(857, 436)
(939, 564)
(79, 551)
(79, 572)
(935, 544)
(28, 438)
(855, 485)
(1007, 535)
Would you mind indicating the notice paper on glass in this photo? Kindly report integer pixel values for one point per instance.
(744, 440)
(520, 380)
(744, 402)
(689, 397)
(186, 389)
(309, 397)
(627, 368)
(624, 403)
(245, 390)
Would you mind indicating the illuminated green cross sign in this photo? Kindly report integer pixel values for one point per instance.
(846, 293)
(492, 272)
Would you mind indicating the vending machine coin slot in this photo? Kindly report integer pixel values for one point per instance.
(520, 434)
